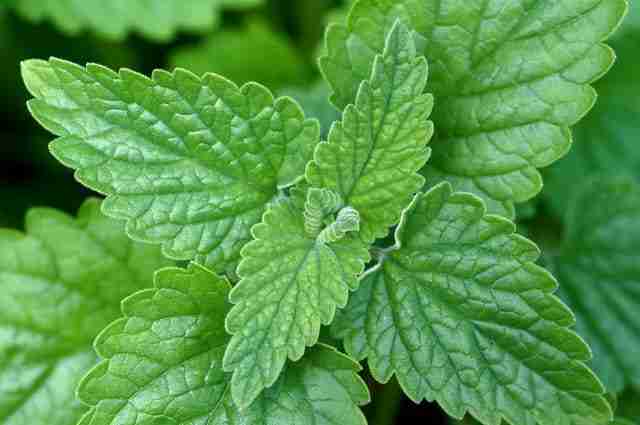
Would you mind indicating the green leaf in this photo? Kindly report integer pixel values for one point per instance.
(61, 283)
(631, 26)
(599, 272)
(190, 162)
(158, 20)
(373, 156)
(164, 366)
(606, 141)
(252, 53)
(461, 314)
(509, 79)
(292, 280)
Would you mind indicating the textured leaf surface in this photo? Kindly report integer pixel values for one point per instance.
(599, 273)
(460, 313)
(190, 162)
(60, 284)
(509, 79)
(164, 366)
(291, 283)
(606, 141)
(252, 53)
(373, 156)
(158, 20)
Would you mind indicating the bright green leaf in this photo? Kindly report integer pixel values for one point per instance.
(291, 283)
(599, 273)
(461, 314)
(373, 156)
(253, 53)
(60, 284)
(159, 20)
(509, 78)
(190, 162)
(164, 366)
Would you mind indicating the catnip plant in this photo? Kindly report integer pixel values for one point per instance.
(241, 265)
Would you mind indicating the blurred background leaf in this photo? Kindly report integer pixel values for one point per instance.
(114, 19)
(587, 222)
(607, 141)
(270, 57)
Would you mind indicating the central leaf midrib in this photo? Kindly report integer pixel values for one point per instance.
(460, 316)
(292, 282)
(378, 131)
(389, 278)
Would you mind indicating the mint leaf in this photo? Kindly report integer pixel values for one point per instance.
(190, 162)
(273, 60)
(599, 272)
(163, 366)
(293, 276)
(606, 140)
(115, 19)
(61, 283)
(509, 80)
(461, 314)
(373, 156)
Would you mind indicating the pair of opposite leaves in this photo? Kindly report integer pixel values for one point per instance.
(177, 118)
